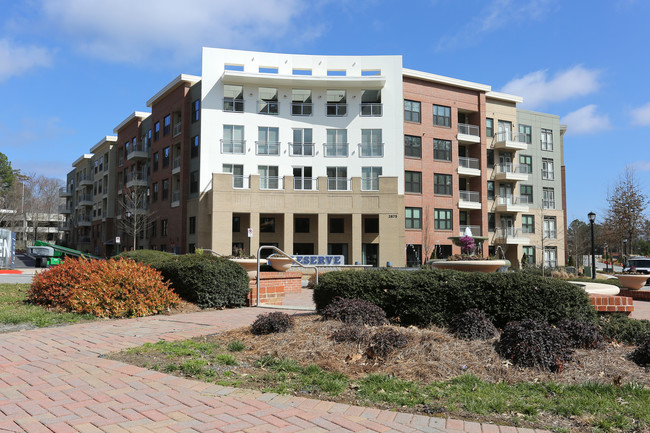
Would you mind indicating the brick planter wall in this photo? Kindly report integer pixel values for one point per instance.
(612, 303)
(637, 295)
(273, 286)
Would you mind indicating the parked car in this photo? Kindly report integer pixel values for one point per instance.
(640, 265)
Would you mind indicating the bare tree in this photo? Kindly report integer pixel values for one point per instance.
(136, 218)
(579, 240)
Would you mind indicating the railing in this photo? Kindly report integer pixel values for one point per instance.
(471, 196)
(136, 175)
(548, 174)
(64, 190)
(85, 197)
(65, 208)
(472, 163)
(548, 204)
(371, 109)
(240, 181)
(546, 145)
(336, 150)
(138, 147)
(550, 234)
(336, 109)
(476, 230)
(464, 128)
(301, 108)
(271, 182)
(301, 149)
(178, 127)
(85, 178)
(508, 135)
(236, 147)
(509, 167)
(176, 195)
(268, 107)
(514, 199)
(267, 148)
(371, 150)
(338, 184)
(233, 105)
(305, 184)
(176, 162)
(508, 232)
(83, 219)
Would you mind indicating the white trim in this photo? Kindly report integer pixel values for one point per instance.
(182, 78)
(85, 156)
(505, 97)
(445, 80)
(108, 138)
(139, 114)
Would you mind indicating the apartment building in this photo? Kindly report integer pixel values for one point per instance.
(349, 155)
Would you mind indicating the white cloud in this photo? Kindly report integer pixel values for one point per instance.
(16, 59)
(641, 115)
(641, 165)
(32, 131)
(168, 30)
(586, 121)
(537, 89)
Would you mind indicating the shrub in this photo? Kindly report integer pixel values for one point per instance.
(534, 343)
(582, 335)
(385, 341)
(436, 296)
(271, 323)
(147, 257)
(104, 288)
(350, 333)
(208, 281)
(621, 328)
(355, 311)
(641, 355)
(472, 325)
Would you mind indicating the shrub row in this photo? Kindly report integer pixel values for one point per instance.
(436, 296)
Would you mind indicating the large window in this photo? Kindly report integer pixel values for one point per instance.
(371, 144)
(441, 115)
(442, 184)
(489, 155)
(156, 131)
(337, 178)
(267, 224)
(301, 104)
(336, 103)
(489, 127)
(194, 150)
(237, 171)
(442, 219)
(233, 139)
(337, 143)
(412, 146)
(167, 124)
(548, 172)
(196, 110)
(413, 217)
(268, 103)
(303, 144)
(371, 103)
(155, 157)
(191, 225)
(302, 179)
(413, 182)
(490, 190)
(267, 141)
(491, 221)
(154, 192)
(529, 252)
(526, 133)
(547, 139)
(550, 257)
(268, 176)
(370, 178)
(411, 111)
(526, 163)
(301, 225)
(166, 157)
(548, 198)
(233, 98)
(165, 189)
(441, 150)
(194, 182)
(528, 223)
(163, 228)
(550, 228)
(526, 193)
(413, 255)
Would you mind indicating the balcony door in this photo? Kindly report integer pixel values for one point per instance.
(508, 225)
(505, 130)
(505, 193)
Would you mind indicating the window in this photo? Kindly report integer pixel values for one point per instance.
(267, 141)
(268, 103)
(267, 224)
(196, 110)
(547, 140)
(526, 163)
(301, 102)
(163, 227)
(336, 72)
(371, 144)
(370, 178)
(233, 98)
(371, 103)
(337, 143)
(489, 127)
(156, 131)
(371, 225)
(441, 150)
(548, 198)
(337, 225)
(268, 176)
(412, 146)
(526, 134)
(490, 190)
(236, 224)
(526, 193)
(528, 223)
(233, 139)
(411, 111)
(550, 257)
(237, 171)
(491, 221)
(194, 149)
(268, 70)
(303, 144)
(442, 116)
(166, 157)
(548, 173)
(302, 179)
(529, 252)
(442, 219)
(550, 231)
(301, 225)
(442, 184)
(191, 225)
(413, 182)
(413, 217)
(165, 189)
(413, 255)
(167, 124)
(337, 178)
(154, 192)
(194, 182)
(155, 161)
(489, 153)
(336, 103)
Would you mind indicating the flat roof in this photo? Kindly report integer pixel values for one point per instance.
(411, 73)
(85, 156)
(239, 77)
(505, 97)
(100, 143)
(182, 78)
(130, 118)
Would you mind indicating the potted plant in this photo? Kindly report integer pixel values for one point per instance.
(631, 279)
(468, 260)
(248, 262)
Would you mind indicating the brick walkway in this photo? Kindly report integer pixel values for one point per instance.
(55, 380)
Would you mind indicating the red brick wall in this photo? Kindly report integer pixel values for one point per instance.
(273, 286)
(612, 303)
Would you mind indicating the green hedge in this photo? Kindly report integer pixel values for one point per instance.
(436, 296)
(208, 281)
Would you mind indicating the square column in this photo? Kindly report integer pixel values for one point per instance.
(356, 249)
(287, 240)
(322, 234)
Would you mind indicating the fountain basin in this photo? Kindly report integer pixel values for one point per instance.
(469, 265)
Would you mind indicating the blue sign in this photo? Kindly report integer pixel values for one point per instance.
(318, 260)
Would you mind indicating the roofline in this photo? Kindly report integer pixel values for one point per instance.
(505, 97)
(111, 138)
(81, 158)
(182, 78)
(130, 118)
(411, 73)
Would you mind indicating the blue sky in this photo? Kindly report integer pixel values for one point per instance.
(71, 70)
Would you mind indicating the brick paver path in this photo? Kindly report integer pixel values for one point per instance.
(55, 380)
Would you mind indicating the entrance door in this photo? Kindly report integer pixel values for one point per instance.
(505, 193)
(505, 130)
(370, 253)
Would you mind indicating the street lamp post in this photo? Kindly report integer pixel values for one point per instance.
(592, 217)
(624, 253)
(606, 260)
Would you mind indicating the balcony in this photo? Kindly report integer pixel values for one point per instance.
(234, 147)
(468, 166)
(137, 178)
(267, 148)
(176, 198)
(305, 184)
(65, 226)
(85, 200)
(271, 182)
(469, 200)
(84, 221)
(85, 181)
(510, 171)
(301, 149)
(139, 151)
(512, 236)
(178, 128)
(506, 140)
(373, 109)
(512, 204)
(338, 184)
(336, 150)
(65, 191)
(233, 105)
(241, 182)
(268, 107)
(469, 133)
(176, 164)
(301, 108)
(65, 208)
(336, 109)
(371, 150)
(476, 230)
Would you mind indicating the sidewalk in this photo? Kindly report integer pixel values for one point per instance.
(55, 380)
